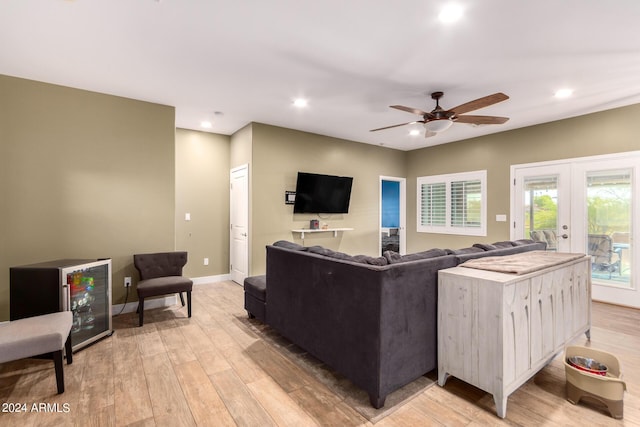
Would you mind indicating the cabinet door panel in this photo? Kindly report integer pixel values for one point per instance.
(516, 327)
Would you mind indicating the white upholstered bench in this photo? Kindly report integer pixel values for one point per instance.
(38, 335)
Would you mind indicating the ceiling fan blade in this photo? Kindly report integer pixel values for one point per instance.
(480, 103)
(395, 126)
(409, 110)
(481, 120)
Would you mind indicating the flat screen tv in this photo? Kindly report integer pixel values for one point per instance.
(319, 194)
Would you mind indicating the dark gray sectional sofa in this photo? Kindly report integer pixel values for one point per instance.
(372, 319)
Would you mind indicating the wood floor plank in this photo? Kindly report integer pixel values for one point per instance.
(325, 407)
(131, 395)
(287, 374)
(206, 405)
(214, 369)
(431, 409)
(176, 345)
(149, 341)
(280, 406)
(244, 366)
(244, 408)
(167, 398)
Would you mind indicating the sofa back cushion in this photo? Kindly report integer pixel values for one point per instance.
(361, 259)
(289, 245)
(498, 251)
(394, 257)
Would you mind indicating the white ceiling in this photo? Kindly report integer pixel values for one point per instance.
(350, 58)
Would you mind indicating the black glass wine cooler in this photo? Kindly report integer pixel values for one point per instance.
(82, 286)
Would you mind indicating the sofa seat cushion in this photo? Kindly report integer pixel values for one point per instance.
(256, 286)
(164, 285)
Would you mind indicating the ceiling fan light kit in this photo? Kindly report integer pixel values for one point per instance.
(439, 119)
(438, 125)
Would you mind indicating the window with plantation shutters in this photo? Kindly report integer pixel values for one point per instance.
(453, 203)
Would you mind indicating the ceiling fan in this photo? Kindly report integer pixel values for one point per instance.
(439, 119)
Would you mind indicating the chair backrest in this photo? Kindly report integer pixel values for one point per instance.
(600, 248)
(160, 264)
(545, 235)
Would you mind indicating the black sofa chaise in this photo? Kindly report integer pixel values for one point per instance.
(372, 319)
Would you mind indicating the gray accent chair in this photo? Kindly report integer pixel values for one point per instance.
(161, 274)
(48, 334)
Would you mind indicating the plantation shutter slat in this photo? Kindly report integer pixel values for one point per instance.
(434, 204)
(465, 203)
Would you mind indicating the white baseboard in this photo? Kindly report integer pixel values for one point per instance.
(167, 300)
(210, 279)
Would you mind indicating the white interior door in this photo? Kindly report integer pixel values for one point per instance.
(239, 228)
(392, 214)
(592, 205)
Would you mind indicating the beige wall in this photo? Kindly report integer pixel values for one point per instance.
(277, 156)
(202, 190)
(599, 133)
(241, 143)
(83, 175)
(87, 175)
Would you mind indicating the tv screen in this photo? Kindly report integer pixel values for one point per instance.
(322, 193)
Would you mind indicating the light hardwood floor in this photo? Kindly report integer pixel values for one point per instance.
(213, 370)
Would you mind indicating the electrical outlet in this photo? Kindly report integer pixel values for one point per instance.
(127, 282)
(206, 261)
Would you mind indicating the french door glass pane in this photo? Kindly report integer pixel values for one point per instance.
(609, 201)
(541, 209)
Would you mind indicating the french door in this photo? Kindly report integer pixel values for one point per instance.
(587, 205)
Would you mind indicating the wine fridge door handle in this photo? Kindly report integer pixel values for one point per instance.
(66, 301)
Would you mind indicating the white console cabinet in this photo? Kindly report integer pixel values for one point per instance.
(496, 330)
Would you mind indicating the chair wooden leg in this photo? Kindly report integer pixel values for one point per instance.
(68, 350)
(57, 362)
(140, 311)
(188, 302)
(181, 298)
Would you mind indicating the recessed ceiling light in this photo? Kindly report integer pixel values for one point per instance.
(300, 102)
(451, 13)
(414, 132)
(206, 125)
(563, 93)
